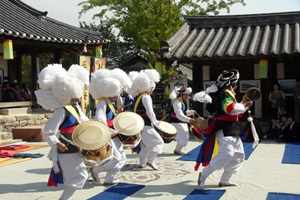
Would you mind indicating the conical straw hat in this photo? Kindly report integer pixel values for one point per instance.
(91, 135)
(128, 123)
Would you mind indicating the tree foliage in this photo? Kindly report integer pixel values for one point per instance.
(114, 49)
(144, 23)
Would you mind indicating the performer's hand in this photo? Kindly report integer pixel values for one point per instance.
(245, 99)
(190, 112)
(113, 134)
(248, 104)
(192, 120)
(62, 147)
(120, 110)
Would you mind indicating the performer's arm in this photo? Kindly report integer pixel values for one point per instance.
(100, 114)
(234, 108)
(177, 105)
(51, 128)
(147, 102)
(82, 116)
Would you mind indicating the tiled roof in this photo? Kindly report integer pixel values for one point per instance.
(230, 36)
(19, 20)
(142, 54)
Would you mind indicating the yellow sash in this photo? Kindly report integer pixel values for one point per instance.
(109, 105)
(216, 147)
(138, 101)
(72, 110)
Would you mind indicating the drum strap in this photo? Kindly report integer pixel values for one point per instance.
(111, 107)
(66, 139)
(72, 110)
(138, 101)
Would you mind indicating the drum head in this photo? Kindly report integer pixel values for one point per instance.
(128, 123)
(91, 135)
(167, 127)
(200, 124)
(253, 93)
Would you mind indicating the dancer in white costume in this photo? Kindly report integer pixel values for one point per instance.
(106, 87)
(178, 117)
(60, 91)
(143, 85)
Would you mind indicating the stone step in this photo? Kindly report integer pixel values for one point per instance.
(6, 135)
(15, 111)
(9, 141)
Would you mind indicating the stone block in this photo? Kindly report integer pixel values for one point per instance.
(29, 133)
(15, 111)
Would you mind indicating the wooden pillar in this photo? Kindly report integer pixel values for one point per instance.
(10, 71)
(19, 65)
(57, 56)
(34, 75)
(197, 85)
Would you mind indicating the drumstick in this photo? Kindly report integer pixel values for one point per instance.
(164, 117)
(125, 105)
(120, 131)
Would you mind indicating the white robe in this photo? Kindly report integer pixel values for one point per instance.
(118, 160)
(182, 136)
(72, 164)
(151, 143)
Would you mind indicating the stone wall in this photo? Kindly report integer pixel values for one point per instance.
(8, 122)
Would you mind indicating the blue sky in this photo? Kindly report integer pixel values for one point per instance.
(67, 10)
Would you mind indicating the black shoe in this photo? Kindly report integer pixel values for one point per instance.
(153, 166)
(109, 184)
(95, 176)
(221, 184)
(178, 152)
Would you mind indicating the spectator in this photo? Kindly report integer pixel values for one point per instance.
(277, 98)
(17, 93)
(297, 100)
(291, 132)
(25, 92)
(8, 93)
(276, 127)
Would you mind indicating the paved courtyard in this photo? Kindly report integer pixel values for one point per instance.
(262, 172)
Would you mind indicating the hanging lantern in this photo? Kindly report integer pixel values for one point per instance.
(263, 68)
(99, 51)
(8, 52)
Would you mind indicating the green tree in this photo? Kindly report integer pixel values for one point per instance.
(114, 49)
(144, 23)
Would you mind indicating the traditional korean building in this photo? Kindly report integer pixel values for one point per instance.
(32, 32)
(263, 47)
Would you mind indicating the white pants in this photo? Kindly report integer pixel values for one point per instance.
(182, 136)
(151, 145)
(229, 157)
(115, 165)
(74, 173)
